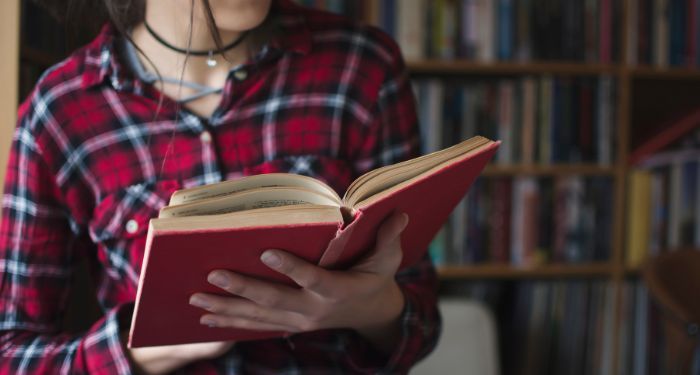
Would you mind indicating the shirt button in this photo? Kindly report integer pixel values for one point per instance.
(240, 75)
(205, 137)
(132, 226)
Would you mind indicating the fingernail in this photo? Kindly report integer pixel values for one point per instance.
(271, 259)
(199, 302)
(405, 221)
(208, 322)
(218, 279)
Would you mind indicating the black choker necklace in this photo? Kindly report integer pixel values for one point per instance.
(209, 53)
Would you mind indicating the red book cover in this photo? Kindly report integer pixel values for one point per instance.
(176, 262)
(500, 221)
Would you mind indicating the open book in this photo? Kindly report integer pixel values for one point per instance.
(228, 225)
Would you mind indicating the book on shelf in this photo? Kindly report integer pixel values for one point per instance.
(493, 30)
(663, 209)
(553, 326)
(639, 217)
(540, 120)
(545, 120)
(642, 333)
(664, 33)
(228, 225)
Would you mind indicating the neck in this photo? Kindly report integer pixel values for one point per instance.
(178, 34)
(172, 63)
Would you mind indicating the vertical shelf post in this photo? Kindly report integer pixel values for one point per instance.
(9, 71)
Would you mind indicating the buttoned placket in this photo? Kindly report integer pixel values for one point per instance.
(212, 166)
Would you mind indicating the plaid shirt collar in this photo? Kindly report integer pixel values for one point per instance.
(294, 37)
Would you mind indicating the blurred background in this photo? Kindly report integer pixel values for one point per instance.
(576, 252)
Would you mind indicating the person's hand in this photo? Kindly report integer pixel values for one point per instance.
(365, 298)
(165, 359)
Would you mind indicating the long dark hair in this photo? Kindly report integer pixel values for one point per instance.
(126, 14)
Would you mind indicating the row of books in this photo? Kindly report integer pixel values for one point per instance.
(490, 30)
(527, 221)
(550, 327)
(643, 344)
(664, 32)
(663, 205)
(540, 120)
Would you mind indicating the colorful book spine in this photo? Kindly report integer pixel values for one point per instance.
(505, 29)
(639, 200)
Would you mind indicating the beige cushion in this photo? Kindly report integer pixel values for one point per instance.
(468, 344)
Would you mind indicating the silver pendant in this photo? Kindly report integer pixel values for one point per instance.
(210, 60)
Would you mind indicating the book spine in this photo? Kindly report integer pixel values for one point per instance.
(523, 37)
(470, 28)
(604, 120)
(469, 107)
(486, 30)
(505, 121)
(437, 28)
(528, 120)
(697, 209)
(691, 47)
(517, 224)
(449, 31)
(500, 225)
(388, 17)
(696, 23)
(639, 217)
(661, 33)
(591, 29)
(689, 196)
(676, 31)
(674, 226)
(632, 32)
(641, 325)
(505, 29)
(410, 28)
(545, 123)
(605, 33)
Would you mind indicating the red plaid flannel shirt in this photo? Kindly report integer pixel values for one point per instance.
(93, 159)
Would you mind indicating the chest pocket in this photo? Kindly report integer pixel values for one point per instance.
(124, 214)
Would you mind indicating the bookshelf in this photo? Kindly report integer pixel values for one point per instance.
(647, 94)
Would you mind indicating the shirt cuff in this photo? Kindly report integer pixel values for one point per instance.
(420, 328)
(102, 349)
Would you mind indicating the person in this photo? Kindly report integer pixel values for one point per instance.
(178, 93)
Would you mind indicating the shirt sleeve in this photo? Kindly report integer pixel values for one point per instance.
(393, 136)
(37, 254)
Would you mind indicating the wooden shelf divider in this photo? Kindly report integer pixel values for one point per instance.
(549, 170)
(437, 66)
(506, 271)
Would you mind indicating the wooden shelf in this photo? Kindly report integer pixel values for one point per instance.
(652, 72)
(633, 271)
(504, 271)
(550, 170)
(37, 56)
(438, 66)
